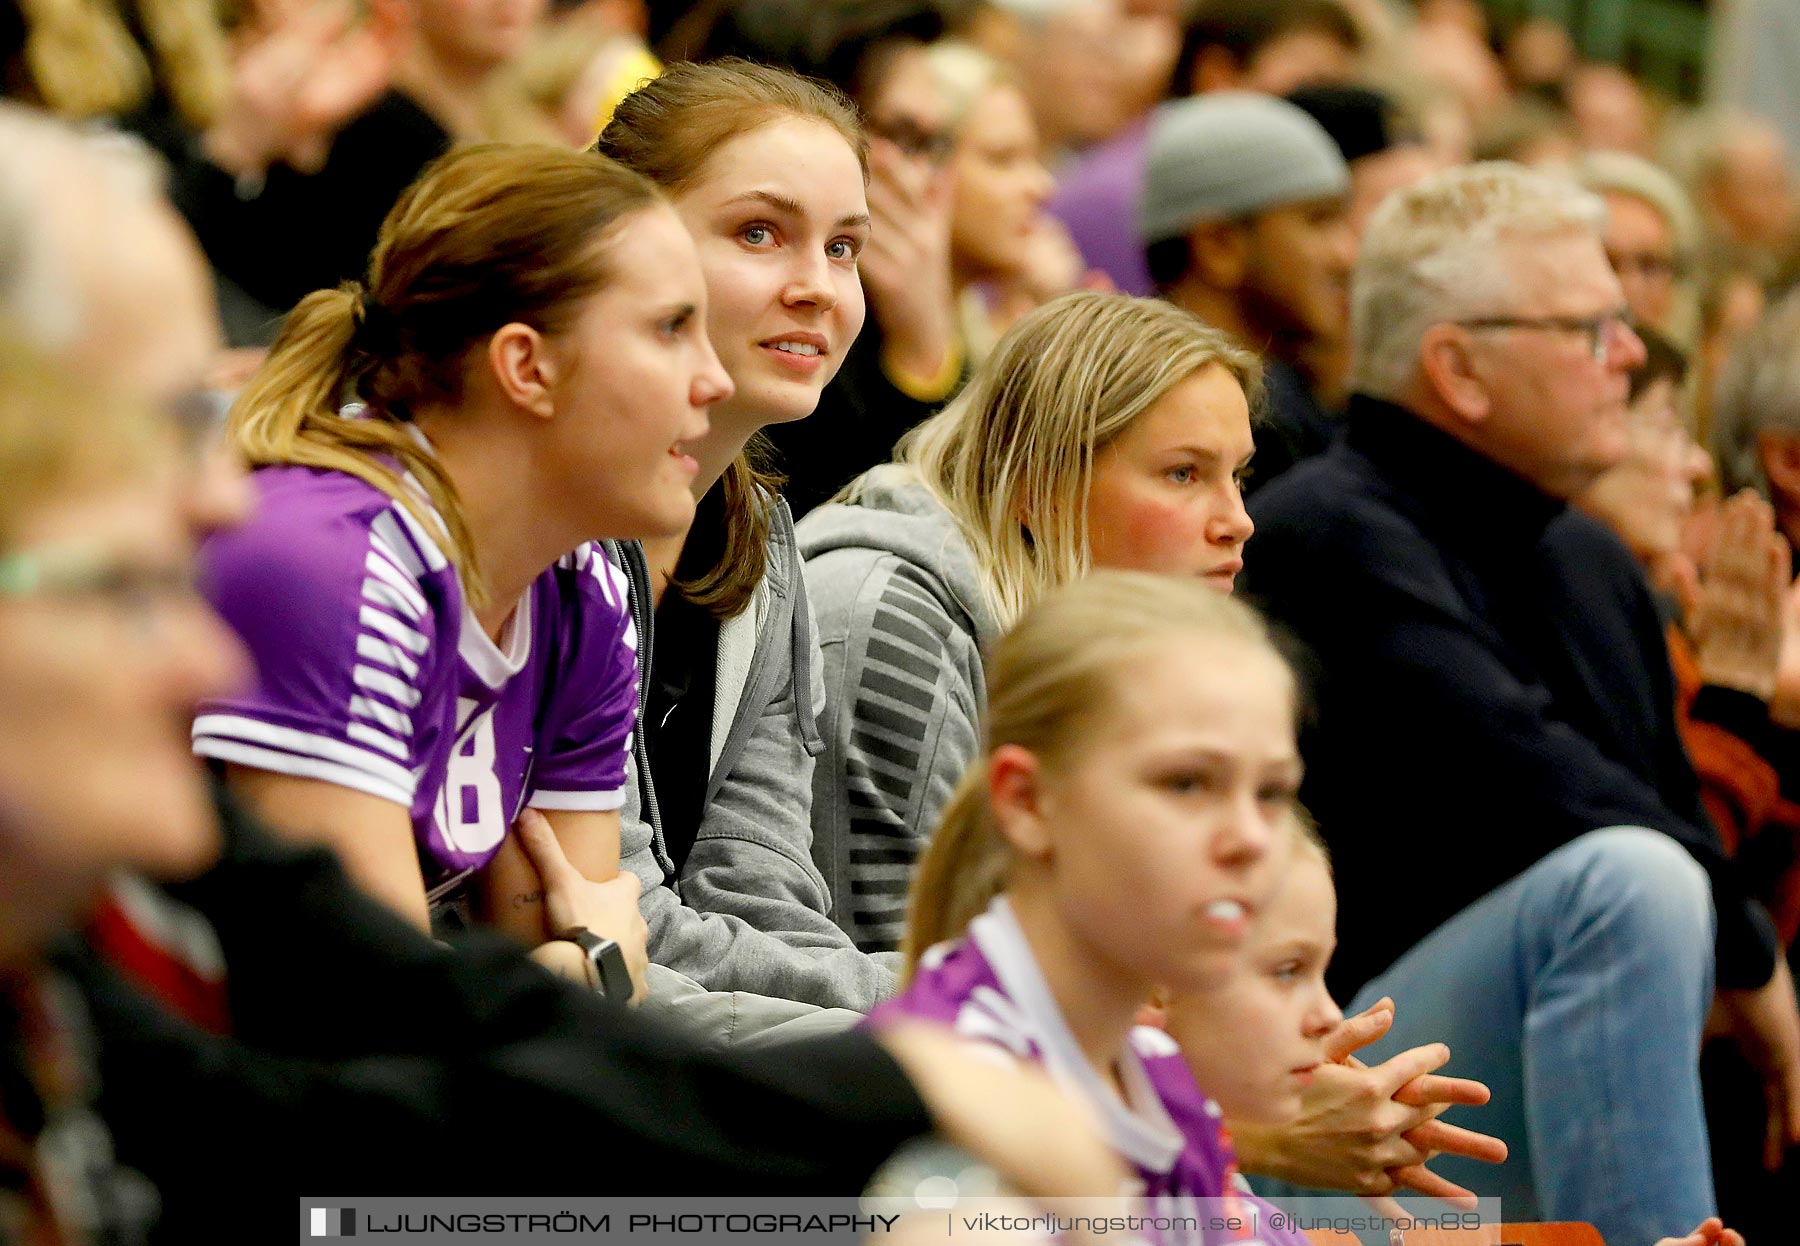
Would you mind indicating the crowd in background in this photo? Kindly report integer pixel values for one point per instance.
(734, 667)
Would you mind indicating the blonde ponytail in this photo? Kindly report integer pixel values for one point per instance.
(962, 870)
(491, 234)
(292, 412)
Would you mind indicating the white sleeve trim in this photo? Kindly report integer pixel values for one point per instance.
(301, 768)
(315, 747)
(578, 802)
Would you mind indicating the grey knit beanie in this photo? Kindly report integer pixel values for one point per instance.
(1232, 154)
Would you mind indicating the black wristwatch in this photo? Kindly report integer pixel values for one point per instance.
(605, 962)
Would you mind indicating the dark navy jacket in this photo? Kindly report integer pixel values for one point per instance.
(1491, 682)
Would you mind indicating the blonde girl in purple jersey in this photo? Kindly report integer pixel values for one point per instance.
(1126, 820)
(441, 648)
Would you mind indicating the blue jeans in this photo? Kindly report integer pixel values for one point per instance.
(1577, 992)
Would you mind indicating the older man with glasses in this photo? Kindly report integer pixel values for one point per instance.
(1523, 860)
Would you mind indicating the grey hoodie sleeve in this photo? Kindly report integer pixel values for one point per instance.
(791, 951)
(770, 935)
(903, 693)
(751, 866)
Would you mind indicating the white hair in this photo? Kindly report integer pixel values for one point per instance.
(964, 75)
(1621, 173)
(46, 166)
(1758, 392)
(1036, 13)
(1433, 253)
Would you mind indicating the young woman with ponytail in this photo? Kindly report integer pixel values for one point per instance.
(441, 648)
(1129, 812)
(768, 170)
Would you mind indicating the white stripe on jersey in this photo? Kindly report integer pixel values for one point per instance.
(398, 551)
(578, 802)
(389, 687)
(615, 585)
(386, 743)
(385, 571)
(384, 594)
(388, 655)
(389, 717)
(323, 748)
(393, 629)
(303, 768)
(420, 540)
(989, 1015)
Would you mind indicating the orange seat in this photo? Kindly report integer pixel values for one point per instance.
(1559, 1233)
(1551, 1233)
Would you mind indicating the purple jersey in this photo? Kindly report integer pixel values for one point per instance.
(372, 674)
(988, 986)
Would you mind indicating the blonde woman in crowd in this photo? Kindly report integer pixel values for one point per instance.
(1006, 254)
(1104, 431)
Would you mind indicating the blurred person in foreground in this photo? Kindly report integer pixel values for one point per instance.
(1491, 665)
(127, 1108)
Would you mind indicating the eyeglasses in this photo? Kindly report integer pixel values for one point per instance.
(141, 595)
(913, 139)
(198, 417)
(1597, 328)
(1649, 265)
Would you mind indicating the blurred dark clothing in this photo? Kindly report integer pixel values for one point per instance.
(302, 232)
(822, 40)
(1293, 426)
(359, 1047)
(1492, 683)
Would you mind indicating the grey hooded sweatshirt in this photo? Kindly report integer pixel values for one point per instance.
(749, 912)
(902, 621)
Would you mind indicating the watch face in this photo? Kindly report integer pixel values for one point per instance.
(609, 965)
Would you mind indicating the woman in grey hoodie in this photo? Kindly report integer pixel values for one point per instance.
(767, 170)
(1104, 431)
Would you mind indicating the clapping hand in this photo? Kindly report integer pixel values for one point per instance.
(303, 69)
(1737, 619)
